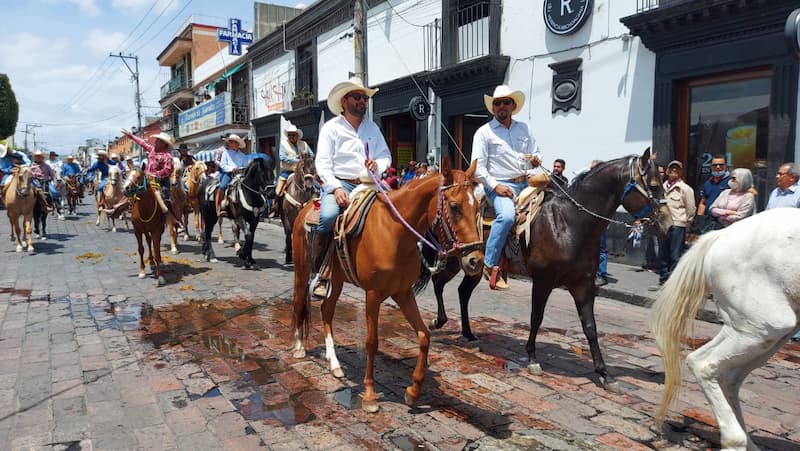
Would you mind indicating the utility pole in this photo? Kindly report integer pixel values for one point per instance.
(360, 41)
(135, 74)
(27, 132)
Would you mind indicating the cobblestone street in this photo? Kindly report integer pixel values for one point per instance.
(91, 357)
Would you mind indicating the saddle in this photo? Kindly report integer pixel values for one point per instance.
(232, 193)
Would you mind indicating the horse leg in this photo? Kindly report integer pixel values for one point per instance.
(540, 293)
(140, 248)
(28, 235)
(197, 226)
(465, 289)
(157, 257)
(250, 236)
(219, 234)
(583, 295)
(328, 309)
(43, 220)
(302, 300)
(173, 235)
(16, 233)
(209, 222)
(408, 305)
(373, 306)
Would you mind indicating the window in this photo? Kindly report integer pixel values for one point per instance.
(304, 84)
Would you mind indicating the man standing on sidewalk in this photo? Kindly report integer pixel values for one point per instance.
(680, 201)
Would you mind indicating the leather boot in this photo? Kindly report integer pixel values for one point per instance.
(319, 250)
(218, 202)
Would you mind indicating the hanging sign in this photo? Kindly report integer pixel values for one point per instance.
(234, 36)
(565, 17)
(419, 108)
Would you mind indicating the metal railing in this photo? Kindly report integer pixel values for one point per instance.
(240, 113)
(175, 84)
(647, 5)
(471, 25)
(432, 41)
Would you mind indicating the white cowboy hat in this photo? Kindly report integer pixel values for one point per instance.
(504, 91)
(3, 150)
(167, 138)
(291, 128)
(102, 152)
(69, 157)
(114, 155)
(341, 89)
(38, 153)
(237, 139)
(129, 158)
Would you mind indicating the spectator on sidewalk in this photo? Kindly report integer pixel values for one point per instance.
(558, 173)
(737, 202)
(680, 201)
(712, 188)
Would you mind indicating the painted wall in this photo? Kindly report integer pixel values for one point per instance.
(616, 113)
(217, 64)
(273, 86)
(335, 58)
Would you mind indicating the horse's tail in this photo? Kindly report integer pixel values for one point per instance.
(678, 301)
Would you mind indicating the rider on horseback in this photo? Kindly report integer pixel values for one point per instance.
(342, 162)
(8, 160)
(44, 178)
(232, 161)
(159, 169)
(100, 165)
(292, 150)
(505, 151)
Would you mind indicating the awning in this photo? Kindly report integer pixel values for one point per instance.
(226, 75)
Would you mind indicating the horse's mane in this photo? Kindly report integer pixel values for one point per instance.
(583, 176)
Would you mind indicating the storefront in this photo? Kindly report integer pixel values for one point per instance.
(726, 83)
(406, 136)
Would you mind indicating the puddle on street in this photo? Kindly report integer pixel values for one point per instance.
(14, 292)
(407, 443)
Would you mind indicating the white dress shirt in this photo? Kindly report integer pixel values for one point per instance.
(340, 151)
(232, 160)
(501, 152)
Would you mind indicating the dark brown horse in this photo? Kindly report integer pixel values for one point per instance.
(72, 193)
(299, 191)
(566, 246)
(148, 221)
(382, 256)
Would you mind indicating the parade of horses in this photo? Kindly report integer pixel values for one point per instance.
(262, 258)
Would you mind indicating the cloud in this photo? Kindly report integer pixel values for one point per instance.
(16, 51)
(87, 7)
(100, 43)
(136, 5)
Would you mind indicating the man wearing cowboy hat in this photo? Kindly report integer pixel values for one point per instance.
(232, 161)
(349, 146)
(159, 167)
(292, 149)
(8, 160)
(101, 165)
(505, 151)
(183, 154)
(118, 163)
(44, 177)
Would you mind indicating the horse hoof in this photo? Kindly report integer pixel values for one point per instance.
(61, 217)
(220, 240)
(30, 249)
(535, 369)
(44, 237)
(173, 251)
(113, 229)
(370, 406)
(237, 246)
(299, 353)
(338, 373)
(19, 248)
(142, 275)
(409, 398)
(161, 281)
(214, 260)
(613, 387)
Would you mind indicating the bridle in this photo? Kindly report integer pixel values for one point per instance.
(22, 183)
(651, 209)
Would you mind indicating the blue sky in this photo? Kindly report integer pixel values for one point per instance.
(56, 54)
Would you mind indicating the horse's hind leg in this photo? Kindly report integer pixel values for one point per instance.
(173, 236)
(302, 304)
(140, 248)
(328, 309)
(28, 235)
(465, 289)
(408, 305)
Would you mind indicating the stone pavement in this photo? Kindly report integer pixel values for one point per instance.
(91, 357)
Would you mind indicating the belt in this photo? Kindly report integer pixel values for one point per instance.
(519, 179)
(352, 181)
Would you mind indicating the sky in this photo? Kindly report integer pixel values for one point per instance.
(56, 54)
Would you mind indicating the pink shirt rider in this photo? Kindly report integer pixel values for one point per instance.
(159, 164)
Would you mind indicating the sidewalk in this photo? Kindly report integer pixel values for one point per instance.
(631, 284)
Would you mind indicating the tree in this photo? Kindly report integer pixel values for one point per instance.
(9, 108)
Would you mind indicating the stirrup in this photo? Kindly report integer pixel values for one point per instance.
(320, 288)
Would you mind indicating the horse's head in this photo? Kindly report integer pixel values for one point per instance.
(24, 179)
(456, 212)
(114, 176)
(644, 195)
(197, 171)
(135, 183)
(304, 175)
(260, 174)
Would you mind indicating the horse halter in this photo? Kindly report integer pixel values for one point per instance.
(443, 224)
(651, 209)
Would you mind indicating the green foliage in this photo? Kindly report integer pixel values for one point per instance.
(9, 108)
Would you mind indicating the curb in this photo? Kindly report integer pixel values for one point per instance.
(708, 314)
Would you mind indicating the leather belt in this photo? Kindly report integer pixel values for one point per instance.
(352, 181)
(520, 179)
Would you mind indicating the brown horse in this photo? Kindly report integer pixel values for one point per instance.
(565, 246)
(382, 257)
(179, 206)
(192, 179)
(72, 193)
(148, 221)
(19, 199)
(300, 190)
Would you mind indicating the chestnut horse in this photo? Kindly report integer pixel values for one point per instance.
(192, 178)
(19, 199)
(566, 246)
(299, 191)
(382, 257)
(148, 221)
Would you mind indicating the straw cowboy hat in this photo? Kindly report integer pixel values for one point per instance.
(237, 139)
(504, 91)
(102, 152)
(38, 153)
(168, 139)
(291, 128)
(69, 157)
(341, 89)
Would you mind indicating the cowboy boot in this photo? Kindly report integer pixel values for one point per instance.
(218, 203)
(319, 250)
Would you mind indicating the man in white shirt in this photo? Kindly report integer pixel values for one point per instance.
(348, 146)
(505, 152)
(232, 160)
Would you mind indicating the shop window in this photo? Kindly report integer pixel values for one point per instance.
(726, 115)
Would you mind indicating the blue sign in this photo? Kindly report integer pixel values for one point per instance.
(234, 36)
(205, 116)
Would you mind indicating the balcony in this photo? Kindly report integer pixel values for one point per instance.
(240, 113)
(176, 84)
(471, 32)
(647, 5)
(169, 124)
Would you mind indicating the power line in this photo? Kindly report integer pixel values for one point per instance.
(164, 27)
(151, 24)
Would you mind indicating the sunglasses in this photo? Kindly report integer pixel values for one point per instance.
(781, 174)
(505, 102)
(358, 96)
(717, 165)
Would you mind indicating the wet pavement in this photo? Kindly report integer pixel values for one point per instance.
(91, 357)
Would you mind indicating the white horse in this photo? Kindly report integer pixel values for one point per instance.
(752, 271)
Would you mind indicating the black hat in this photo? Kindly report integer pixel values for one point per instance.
(183, 146)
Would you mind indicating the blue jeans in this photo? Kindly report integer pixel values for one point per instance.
(50, 187)
(224, 180)
(602, 268)
(670, 250)
(329, 209)
(504, 220)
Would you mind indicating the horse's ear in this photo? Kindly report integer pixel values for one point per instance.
(447, 168)
(472, 168)
(644, 161)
